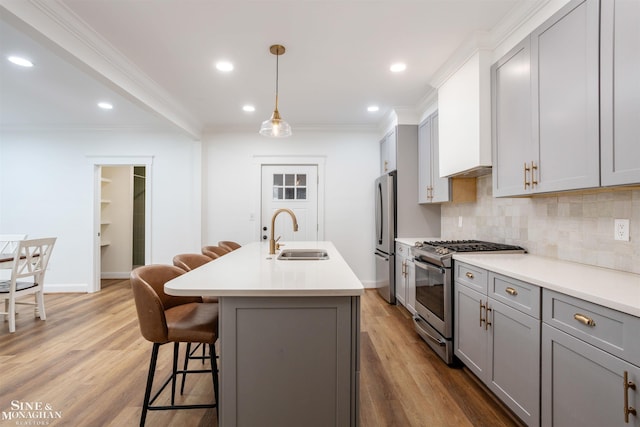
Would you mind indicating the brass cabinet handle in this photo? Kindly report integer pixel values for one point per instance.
(386, 165)
(486, 322)
(511, 291)
(469, 275)
(533, 180)
(628, 409)
(482, 306)
(526, 169)
(585, 320)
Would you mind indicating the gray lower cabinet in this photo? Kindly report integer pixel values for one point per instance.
(401, 281)
(497, 336)
(289, 361)
(405, 277)
(590, 364)
(620, 86)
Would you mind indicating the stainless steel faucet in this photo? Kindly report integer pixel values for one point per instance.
(272, 241)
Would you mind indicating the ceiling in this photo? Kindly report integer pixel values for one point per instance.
(154, 60)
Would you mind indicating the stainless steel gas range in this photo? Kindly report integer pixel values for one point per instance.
(434, 288)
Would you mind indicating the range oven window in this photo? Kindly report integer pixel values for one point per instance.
(430, 288)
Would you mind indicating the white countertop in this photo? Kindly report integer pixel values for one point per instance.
(250, 271)
(611, 288)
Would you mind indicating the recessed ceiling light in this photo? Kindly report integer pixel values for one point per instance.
(105, 105)
(224, 66)
(249, 108)
(398, 67)
(23, 62)
(372, 108)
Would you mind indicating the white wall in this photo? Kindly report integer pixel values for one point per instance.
(46, 189)
(232, 187)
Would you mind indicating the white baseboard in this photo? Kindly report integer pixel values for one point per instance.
(368, 284)
(57, 288)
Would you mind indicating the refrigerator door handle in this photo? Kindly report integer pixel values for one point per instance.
(384, 257)
(379, 214)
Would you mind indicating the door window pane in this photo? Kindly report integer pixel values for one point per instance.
(289, 186)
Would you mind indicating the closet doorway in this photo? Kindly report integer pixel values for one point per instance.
(121, 218)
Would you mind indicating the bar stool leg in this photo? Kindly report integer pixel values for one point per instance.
(214, 373)
(175, 373)
(187, 355)
(147, 392)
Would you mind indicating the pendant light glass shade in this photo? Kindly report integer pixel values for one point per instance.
(275, 127)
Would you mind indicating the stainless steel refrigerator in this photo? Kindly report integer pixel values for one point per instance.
(385, 211)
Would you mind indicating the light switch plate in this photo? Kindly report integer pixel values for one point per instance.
(621, 229)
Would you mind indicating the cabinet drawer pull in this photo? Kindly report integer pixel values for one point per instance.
(628, 409)
(482, 306)
(469, 275)
(585, 320)
(511, 291)
(526, 169)
(486, 322)
(533, 180)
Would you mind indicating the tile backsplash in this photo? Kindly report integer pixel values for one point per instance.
(573, 227)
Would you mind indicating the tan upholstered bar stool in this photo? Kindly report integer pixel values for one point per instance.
(188, 262)
(164, 318)
(227, 244)
(214, 252)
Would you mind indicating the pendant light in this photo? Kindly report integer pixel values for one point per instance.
(275, 127)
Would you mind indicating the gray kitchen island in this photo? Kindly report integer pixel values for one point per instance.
(289, 334)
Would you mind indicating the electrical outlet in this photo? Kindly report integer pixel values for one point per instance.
(459, 221)
(621, 229)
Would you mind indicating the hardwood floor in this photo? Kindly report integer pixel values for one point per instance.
(89, 363)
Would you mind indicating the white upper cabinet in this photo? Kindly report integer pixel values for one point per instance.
(464, 106)
(620, 92)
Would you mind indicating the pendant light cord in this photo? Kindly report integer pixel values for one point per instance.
(277, 57)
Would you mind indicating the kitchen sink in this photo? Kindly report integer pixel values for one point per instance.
(303, 255)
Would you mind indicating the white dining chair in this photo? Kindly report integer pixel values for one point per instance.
(8, 245)
(27, 277)
(9, 242)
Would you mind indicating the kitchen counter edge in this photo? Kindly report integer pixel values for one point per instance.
(614, 289)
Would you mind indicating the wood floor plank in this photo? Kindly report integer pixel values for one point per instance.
(89, 361)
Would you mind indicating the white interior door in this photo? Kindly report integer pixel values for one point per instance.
(294, 187)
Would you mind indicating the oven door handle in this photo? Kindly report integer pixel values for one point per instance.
(426, 266)
(438, 341)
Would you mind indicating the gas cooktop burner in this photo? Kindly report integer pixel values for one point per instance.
(441, 251)
(470, 246)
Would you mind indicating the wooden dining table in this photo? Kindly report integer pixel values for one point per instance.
(6, 261)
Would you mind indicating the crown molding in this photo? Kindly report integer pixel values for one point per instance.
(518, 17)
(73, 39)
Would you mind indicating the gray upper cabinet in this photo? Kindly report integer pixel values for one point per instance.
(564, 74)
(620, 103)
(546, 133)
(431, 188)
(388, 147)
(511, 106)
